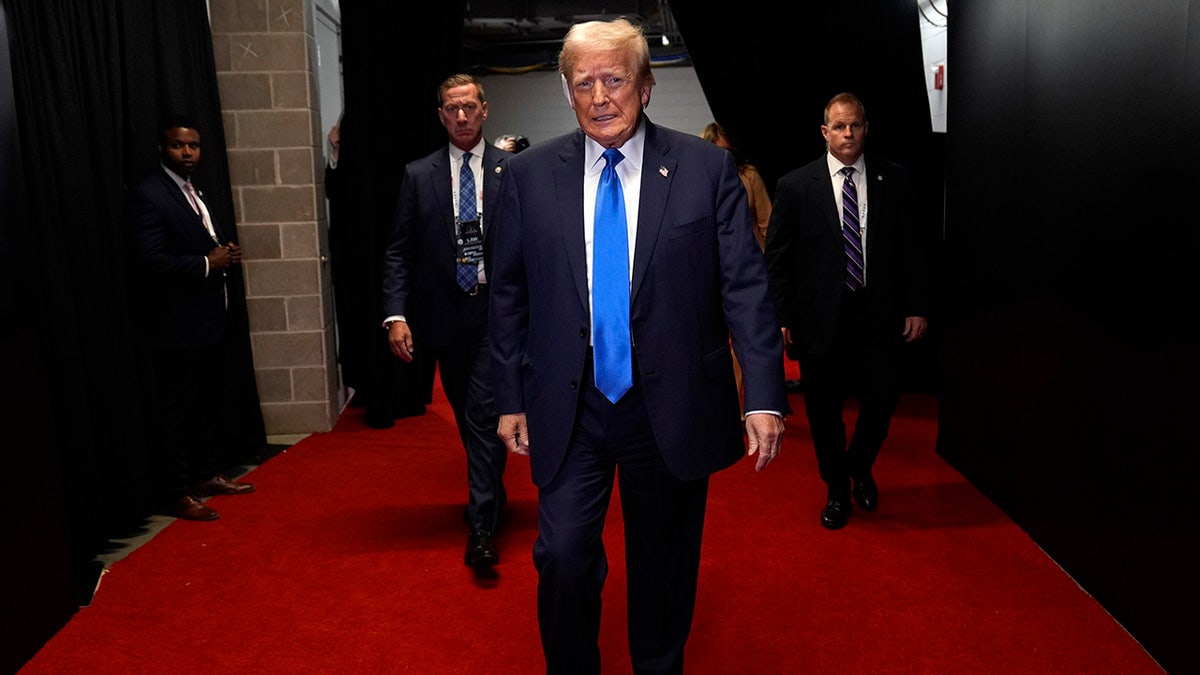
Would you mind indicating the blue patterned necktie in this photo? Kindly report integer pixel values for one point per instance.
(467, 274)
(611, 342)
(851, 234)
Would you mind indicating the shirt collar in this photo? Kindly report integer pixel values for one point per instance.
(835, 164)
(476, 151)
(179, 180)
(593, 157)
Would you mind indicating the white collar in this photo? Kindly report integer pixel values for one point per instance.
(632, 150)
(835, 164)
(456, 154)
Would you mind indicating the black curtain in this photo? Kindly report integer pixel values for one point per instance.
(37, 591)
(90, 81)
(394, 55)
(767, 82)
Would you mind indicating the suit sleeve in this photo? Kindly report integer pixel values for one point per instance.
(397, 256)
(747, 300)
(508, 320)
(779, 253)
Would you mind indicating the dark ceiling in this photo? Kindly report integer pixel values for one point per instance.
(518, 35)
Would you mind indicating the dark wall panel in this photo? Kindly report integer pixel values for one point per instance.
(1067, 370)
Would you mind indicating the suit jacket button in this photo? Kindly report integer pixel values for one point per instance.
(574, 385)
(582, 332)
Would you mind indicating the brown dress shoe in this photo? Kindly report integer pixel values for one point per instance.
(220, 485)
(190, 508)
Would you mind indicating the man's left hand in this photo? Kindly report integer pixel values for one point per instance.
(914, 328)
(766, 437)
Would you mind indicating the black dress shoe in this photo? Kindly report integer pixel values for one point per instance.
(480, 551)
(835, 514)
(866, 493)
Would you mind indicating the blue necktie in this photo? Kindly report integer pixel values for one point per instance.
(851, 232)
(611, 342)
(467, 274)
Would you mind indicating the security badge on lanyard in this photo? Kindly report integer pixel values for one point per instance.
(470, 242)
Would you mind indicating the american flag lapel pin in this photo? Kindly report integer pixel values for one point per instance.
(662, 170)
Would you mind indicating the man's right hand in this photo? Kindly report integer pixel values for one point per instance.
(514, 431)
(221, 257)
(400, 340)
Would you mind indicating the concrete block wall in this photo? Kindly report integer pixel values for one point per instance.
(265, 56)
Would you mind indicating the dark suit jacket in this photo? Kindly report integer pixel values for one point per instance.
(807, 263)
(698, 275)
(183, 306)
(419, 264)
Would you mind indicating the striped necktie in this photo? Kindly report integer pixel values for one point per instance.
(851, 234)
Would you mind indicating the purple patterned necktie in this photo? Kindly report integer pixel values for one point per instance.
(851, 234)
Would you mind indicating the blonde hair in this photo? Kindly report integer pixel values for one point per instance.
(712, 132)
(617, 35)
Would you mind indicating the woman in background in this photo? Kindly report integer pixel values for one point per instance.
(756, 190)
(760, 204)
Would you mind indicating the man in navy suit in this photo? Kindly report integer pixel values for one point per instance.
(436, 289)
(183, 257)
(694, 277)
(851, 284)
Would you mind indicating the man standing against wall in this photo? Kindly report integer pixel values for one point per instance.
(183, 255)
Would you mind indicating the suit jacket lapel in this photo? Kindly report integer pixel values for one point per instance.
(828, 200)
(443, 190)
(876, 211)
(658, 170)
(173, 190)
(176, 194)
(492, 170)
(568, 186)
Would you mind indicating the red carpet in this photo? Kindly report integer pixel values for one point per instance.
(348, 559)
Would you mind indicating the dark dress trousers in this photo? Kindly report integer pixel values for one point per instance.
(184, 316)
(847, 342)
(449, 325)
(698, 278)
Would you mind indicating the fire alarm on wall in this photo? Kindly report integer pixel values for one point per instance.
(939, 76)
